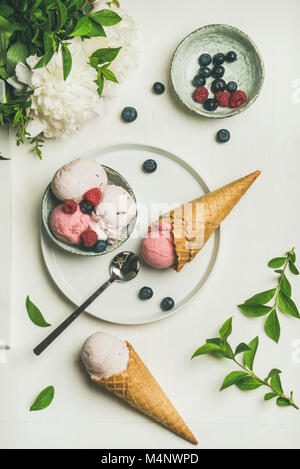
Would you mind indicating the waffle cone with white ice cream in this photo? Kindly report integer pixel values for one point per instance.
(114, 365)
(180, 234)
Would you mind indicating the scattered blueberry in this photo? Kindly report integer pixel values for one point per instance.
(204, 59)
(158, 88)
(204, 72)
(231, 56)
(129, 114)
(167, 303)
(86, 207)
(150, 166)
(210, 104)
(218, 71)
(219, 59)
(198, 81)
(231, 86)
(100, 246)
(145, 293)
(223, 136)
(218, 85)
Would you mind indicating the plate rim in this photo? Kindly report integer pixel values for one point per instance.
(217, 235)
(237, 110)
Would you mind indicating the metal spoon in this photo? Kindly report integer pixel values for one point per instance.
(124, 267)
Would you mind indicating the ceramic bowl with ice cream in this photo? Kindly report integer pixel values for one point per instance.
(88, 208)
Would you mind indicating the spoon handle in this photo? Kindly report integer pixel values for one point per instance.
(51, 337)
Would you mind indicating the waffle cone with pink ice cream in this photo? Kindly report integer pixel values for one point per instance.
(114, 365)
(177, 237)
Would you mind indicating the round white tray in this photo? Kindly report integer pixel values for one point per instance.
(78, 277)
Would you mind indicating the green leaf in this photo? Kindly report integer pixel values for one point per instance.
(293, 268)
(272, 373)
(87, 8)
(262, 298)
(276, 383)
(18, 52)
(270, 395)
(228, 349)
(292, 255)
(248, 383)
(62, 14)
(83, 27)
(241, 348)
(276, 262)
(46, 58)
(35, 315)
(100, 83)
(7, 26)
(106, 17)
(233, 378)
(106, 55)
(6, 10)
(281, 402)
(109, 75)
(226, 329)
(249, 355)
(254, 310)
(285, 285)
(44, 399)
(216, 341)
(67, 60)
(96, 30)
(287, 305)
(207, 349)
(4, 41)
(272, 326)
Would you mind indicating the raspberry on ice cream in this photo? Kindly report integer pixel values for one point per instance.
(238, 98)
(200, 94)
(67, 227)
(70, 206)
(89, 238)
(223, 98)
(93, 196)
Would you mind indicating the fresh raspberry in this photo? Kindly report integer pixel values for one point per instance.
(238, 98)
(89, 238)
(223, 98)
(93, 196)
(200, 94)
(70, 206)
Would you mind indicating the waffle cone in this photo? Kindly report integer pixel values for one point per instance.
(138, 387)
(195, 222)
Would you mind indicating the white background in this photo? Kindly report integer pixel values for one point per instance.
(265, 224)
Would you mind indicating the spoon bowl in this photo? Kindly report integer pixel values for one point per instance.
(125, 266)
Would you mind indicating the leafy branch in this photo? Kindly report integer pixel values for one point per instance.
(246, 380)
(256, 305)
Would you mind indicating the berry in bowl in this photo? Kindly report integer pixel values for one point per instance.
(88, 209)
(217, 71)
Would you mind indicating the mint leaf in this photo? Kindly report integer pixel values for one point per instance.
(96, 30)
(281, 402)
(276, 262)
(35, 315)
(276, 383)
(44, 399)
(233, 378)
(106, 17)
(249, 355)
(67, 60)
(106, 55)
(241, 348)
(248, 383)
(293, 268)
(83, 27)
(207, 349)
(109, 75)
(287, 305)
(226, 329)
(272, 326)
(18, 52)
(46, 58)
(270, 395)
(263, 297)
(285, 285)
(254, 310)
(62, 14)
(5, 25)
(272, 373)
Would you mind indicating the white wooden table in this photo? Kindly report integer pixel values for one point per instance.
(265, 224)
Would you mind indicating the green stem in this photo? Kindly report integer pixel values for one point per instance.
(280, 279)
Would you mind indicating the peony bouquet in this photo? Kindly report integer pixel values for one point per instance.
(60, 61)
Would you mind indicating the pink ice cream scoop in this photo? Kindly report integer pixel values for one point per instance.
(68, 227)
(157, 248)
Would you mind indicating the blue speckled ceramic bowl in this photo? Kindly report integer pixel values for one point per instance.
(247, 71)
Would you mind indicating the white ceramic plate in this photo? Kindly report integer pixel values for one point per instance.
(78, 277)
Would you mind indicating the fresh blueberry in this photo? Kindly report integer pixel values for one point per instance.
(204, 72)
(223, 136)
(218, 71)
(231, 86)
(231, 56)
(219, 59)
(158, 88)
(218, 85)
(198, 81)
(167, 304)
(129, 114)
(100, 246)
(204, 59)
(210, 104)
(86, 207)
(150, 166)
(145, 293)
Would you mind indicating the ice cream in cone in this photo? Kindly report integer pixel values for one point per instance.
(178, 235)
(114, 365)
